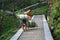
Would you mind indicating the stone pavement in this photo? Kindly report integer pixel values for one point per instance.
(34, 33)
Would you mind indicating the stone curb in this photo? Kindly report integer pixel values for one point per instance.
(47, 32)
(16, 36)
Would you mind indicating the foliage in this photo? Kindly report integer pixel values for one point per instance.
(0, 15)
(55, 20)
(33, 1)
(40, 10)
(18, 12)
(19, 4)
(9, 27)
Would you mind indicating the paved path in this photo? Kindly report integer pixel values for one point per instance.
(35, 33)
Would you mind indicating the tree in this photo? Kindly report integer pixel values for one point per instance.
(3, 14)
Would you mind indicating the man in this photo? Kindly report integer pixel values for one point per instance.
(24, 19)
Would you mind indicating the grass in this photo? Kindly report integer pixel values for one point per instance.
(40, 10)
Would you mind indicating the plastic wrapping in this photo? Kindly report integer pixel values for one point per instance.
(23, 16)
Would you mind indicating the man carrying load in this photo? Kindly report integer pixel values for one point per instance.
(24, 18)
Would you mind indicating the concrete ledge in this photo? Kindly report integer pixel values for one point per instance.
(47, 32)
(16, 36)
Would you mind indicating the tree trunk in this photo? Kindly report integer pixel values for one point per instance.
(2, 17)
(14, 8)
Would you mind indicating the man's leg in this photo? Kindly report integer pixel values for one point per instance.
(24, 27)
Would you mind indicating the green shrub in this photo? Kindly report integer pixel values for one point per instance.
(9, 27)
(55, 20)
(40, 10)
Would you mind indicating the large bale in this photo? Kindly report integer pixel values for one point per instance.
(23, 16)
